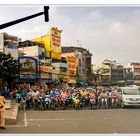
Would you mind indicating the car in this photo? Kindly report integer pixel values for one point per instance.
(130, 96)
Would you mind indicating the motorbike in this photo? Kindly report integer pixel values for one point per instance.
(29, 102)
(47, 101)
(103, 103)
(92, 101)
(18, 98)
(22, 103)
(53, 103)
(63, 103)
(69, 101)
(114, 104)
(41, 103)
(77, 104)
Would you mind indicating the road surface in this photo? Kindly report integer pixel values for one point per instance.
(102, 121)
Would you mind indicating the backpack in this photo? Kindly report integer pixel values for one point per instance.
(1, 102)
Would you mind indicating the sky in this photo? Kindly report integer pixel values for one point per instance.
(111, 32)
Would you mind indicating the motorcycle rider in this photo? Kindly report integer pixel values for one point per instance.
(63, 97)
(103, 96)
(77, 100)
(114, 97)
(53, 95)
(35, 95)
(92, 98)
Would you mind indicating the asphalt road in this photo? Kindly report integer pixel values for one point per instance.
(110, 121)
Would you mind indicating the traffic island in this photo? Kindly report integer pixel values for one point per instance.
(11, 113)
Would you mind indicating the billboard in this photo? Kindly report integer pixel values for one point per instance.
(52, 43)
(55, 40)
(71, 65)
(28, 69)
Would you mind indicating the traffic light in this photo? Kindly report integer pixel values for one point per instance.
(46, 13)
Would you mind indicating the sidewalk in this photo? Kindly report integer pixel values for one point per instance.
(11, 114)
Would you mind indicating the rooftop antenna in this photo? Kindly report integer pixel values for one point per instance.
(78, 43)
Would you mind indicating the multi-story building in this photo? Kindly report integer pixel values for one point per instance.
(83, 61)
(71, 67)
(136, 72)
(128, 76)
(112, 72)
(38, 51)
(105, 69)
(8, 44)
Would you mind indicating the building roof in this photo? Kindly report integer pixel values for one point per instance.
(73, 49)
(28, 43)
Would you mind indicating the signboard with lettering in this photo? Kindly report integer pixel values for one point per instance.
(29, 68)
(71, 65)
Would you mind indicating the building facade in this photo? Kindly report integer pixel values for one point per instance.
(8, 44)
(136, 72)
(38, 51)
(83, 62)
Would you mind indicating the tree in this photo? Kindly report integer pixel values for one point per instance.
(9, 68)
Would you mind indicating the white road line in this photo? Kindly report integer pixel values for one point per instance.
(25, 119)
(14, 126)
(61, 119)
(69, 111)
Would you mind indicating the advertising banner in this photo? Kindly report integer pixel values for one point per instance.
(29, 68)
(56, 43)
(71, 65)
(47, 69)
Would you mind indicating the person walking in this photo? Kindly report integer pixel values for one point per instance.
(2, 112)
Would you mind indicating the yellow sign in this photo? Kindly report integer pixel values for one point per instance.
(55, 40)
(52, 43)
(71, 65)
(46, 68)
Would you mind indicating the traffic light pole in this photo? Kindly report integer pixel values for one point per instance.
(46, 8)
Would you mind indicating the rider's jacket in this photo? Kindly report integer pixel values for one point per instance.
(53, 94)
(114, 95)
(63, 96)
(83, 94)
(103, 95)
(92, 95)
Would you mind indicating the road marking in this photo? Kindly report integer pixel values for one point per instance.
(61, 119)
(25, 119)
(69, 111)
(14, 126)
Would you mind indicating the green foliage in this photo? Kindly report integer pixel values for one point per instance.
(9, 67)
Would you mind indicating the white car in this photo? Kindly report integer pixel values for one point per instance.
(130, 96)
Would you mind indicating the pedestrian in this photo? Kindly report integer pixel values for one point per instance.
(2, 112)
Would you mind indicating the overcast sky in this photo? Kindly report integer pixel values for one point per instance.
(107, 32)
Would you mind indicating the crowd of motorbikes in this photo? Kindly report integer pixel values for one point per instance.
(74, 98)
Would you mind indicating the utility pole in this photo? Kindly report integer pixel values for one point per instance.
(46, 14)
